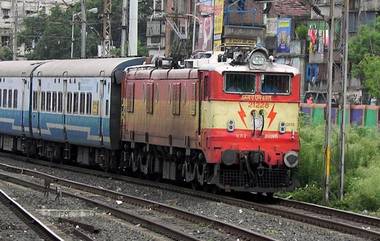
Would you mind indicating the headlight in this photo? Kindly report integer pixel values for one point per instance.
(230, 125)
(258, 58)
(291, 159)
(282, 128)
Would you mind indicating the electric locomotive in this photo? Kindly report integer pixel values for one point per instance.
(232, 123)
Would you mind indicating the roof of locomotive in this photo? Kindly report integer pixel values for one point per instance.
(85, 67)
(268, 67)
(18, 68)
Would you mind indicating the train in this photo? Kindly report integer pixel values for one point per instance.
(228, 120)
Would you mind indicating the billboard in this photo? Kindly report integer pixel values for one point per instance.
(205, 15)
(283, 35)
(218, 23)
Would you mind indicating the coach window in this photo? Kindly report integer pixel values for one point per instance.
(0, 97)
(75, 102)
(107, 109)
(43, 101)
(9, 98)
(89, 104)
(69, 102)
(34, 100)
(82, 102)
(4, 98)
(60, 101)
(15, 95)
(54, 108)
(48, 101)
(275, 84)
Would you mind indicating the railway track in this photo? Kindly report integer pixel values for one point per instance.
(36, 225)
(342, 221)
(156, 226)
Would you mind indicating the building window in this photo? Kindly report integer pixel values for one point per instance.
(60, 104)
(48, 101)
(75, 102)
(82, 103)
(5, 13)
(15, 95)
(9, 98)
(89, 104)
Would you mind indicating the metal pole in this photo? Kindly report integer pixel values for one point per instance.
(133, 25)
(83, 29)
(343, 122)
(194, 23)
(124, 27)
(15, 29)
(72, 36)
(328, 127)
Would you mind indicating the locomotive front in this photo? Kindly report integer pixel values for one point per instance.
(250, 123)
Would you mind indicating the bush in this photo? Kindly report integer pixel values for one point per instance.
(362, 168)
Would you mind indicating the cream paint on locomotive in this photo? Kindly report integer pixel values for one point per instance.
(216, 114)
(162, 122)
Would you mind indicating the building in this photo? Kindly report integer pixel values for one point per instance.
(22, 8)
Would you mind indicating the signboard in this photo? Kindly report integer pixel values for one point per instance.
(205, 15)
(283, 35)
(218, 23)
(236, 41)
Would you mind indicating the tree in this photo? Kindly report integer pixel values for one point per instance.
(364, 53)
(5, 53)
(370, 67)
(365, 43)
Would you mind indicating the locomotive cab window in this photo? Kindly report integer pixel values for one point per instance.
(275, 84)
(240, 83)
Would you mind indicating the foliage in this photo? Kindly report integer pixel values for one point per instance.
(301, 31)
(362, 165)
(362, 47)
(370, 68)
(5, 53)
(48, 37)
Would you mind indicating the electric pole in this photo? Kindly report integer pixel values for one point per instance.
(15, 29)
(124, 27)
(133, 24)
(106, 45)
(344, 98)
(329, 96)
(83, 29)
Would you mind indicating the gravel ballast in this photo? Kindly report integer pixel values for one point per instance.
(273, 226)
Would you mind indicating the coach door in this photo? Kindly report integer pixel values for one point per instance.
(102, 84)
(64, 105)
(36, 107)
(25, 124)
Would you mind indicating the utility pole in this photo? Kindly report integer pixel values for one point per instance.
(106, 45)
(329, 96)
(15, 29)
(344, 93)
(194, 24)
(124, 27)
(83, 29)
(133, 25)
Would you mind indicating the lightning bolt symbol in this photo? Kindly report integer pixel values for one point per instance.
(272, 114)
(242, 115)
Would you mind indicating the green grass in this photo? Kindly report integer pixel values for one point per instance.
(362, 168)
